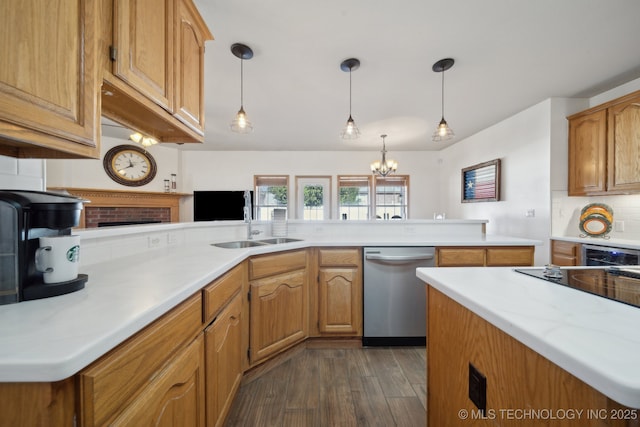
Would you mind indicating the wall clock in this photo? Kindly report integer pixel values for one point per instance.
(129, 165)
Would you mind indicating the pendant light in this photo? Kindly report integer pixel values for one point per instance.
(350, 130)
(240, 123)
(384, 167)
(443, 132)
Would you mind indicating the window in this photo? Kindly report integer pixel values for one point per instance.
(271, 192)
(391, 197)
(313, 197)
(354, 199)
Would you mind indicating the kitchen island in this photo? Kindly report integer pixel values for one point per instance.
(548, 353)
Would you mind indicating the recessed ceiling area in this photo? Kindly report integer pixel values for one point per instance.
(509, 55)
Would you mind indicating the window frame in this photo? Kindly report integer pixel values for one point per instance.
(327, 199)
(257, 182)
(405, 180)
(369, 205)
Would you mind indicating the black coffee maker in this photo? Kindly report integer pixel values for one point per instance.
(25, 216)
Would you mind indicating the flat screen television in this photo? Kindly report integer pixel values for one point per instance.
(218, 205)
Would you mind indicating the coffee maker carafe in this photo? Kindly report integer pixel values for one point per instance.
(25, 216)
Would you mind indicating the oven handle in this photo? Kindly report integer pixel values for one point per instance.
(398, 258)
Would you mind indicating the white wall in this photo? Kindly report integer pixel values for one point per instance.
(234, 170)
(22, 174)
(522, 143)
(89, 173)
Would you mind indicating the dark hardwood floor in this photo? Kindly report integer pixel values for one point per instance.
(327, 384)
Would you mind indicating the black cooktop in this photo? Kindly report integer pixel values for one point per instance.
(620, 284)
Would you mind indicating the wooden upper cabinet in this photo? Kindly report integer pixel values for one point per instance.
(604, 147)
(48, 79)
(624, 146)
(588, 153)
(153, 77)
(143, 35)
(191, 33)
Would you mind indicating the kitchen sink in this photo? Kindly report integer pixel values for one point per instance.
(279, 240)
(238, 244)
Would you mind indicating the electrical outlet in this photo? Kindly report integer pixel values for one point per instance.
(618, 225)
(478, 388)
(172, 238)
(531, 213)
(154, 242)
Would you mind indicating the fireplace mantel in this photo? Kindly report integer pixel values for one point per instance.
(128, 199)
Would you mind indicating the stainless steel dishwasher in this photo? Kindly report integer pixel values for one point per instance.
(394, 299)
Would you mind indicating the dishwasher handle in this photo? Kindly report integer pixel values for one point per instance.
(398, 258)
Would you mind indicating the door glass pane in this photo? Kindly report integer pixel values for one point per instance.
(313, 197)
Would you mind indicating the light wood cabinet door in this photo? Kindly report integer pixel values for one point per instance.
(340, 301)
(278, 313)
(191, 33)
(48, 79)
(223, 340)
(565, 253)
(624, 146)
(176, 397)
(588, 153)
(143, 36)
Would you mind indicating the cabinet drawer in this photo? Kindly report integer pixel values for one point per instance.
(564, 248)
(269, 265)
(509, 256)
(461, 257)
(219, 292)
(340, 256)
(107, 384)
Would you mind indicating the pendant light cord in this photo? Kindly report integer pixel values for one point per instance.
(241, 82)
(442, 94)
(350, 91)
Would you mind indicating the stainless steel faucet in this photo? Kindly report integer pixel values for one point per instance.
(247, 215)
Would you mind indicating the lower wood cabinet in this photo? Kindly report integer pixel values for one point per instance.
(340, 292)
(278, 303)
(175, 397)
(490, 256)
(158, 369)
(517, 378)
(224, 350)
(565, 253)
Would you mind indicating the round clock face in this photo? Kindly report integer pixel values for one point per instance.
(130, 165)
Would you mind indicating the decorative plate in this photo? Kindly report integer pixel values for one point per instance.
(596, 220)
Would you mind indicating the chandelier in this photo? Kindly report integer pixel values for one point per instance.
(384, 167)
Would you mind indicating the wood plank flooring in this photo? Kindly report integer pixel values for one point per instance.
(320, 384)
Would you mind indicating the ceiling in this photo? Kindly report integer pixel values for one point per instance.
(509, 55)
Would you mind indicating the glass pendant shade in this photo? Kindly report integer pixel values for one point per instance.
(240, 123)
(350, 130)
(443, 132)
(384, 167)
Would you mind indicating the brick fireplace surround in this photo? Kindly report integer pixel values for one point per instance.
(125, 206)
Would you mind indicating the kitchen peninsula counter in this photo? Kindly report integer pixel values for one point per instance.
(594, 339)
(54, 338)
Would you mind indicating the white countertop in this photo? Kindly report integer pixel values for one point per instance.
(616, 243)
(595, 339)
(54, 338)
